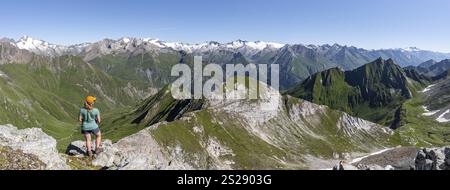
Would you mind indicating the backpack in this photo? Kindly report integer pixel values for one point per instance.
(90, 116)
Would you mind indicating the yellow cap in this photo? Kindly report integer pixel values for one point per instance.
(90, 99)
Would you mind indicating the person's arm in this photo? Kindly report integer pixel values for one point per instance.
(99, 119)
(80, 117)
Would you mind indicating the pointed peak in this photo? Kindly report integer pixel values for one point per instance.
(379, 60)
(25, 37)
(29, 39)
(412, 49)
(213, 43)
(381, 63)
(241, 41)
(126, 39)
(339, 69)
(428, 63)
(335, 45)
(390, 61)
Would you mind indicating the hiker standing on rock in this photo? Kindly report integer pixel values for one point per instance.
(89, 119)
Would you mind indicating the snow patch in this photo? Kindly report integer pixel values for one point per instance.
(258, 45)
(411, 49)
(155, 42)
(428, 112)
(442, 119)
(428, 88)
(126, 40)
(371, 154)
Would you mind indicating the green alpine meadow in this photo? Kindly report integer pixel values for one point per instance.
(335, 85)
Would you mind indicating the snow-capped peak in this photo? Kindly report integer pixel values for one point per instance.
(44, 48)
(259, 45)
(29, 43)
(126, 40)
(411, 49)
(211, 45)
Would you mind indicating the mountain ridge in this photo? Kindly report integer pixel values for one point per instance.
(296, 61)
(244, 134)
(27, 42)
(364, 92)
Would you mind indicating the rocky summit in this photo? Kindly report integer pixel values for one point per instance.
(33, 145)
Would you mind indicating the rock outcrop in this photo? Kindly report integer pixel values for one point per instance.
(402, 158)
(17, 160)
(136, 152)
(33, 141)
(433, 159)
(78, 148)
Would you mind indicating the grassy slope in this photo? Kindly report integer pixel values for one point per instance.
(48, 95)
(328, 88)
(419, 130)
(250, 151)
(157, 108)
(366, 92)
(144, 70)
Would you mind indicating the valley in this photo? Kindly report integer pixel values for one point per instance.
(336, 103)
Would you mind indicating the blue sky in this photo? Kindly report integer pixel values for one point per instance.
(369, 24)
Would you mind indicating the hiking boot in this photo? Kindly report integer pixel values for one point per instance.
(90, 155)
(98, 150)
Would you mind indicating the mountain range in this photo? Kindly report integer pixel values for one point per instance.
(336, 103)
(431, 68)
(297, 61)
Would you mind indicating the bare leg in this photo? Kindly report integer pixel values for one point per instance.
(87, 136)
(98, 141)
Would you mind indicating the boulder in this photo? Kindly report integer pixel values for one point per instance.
(420, 160)
(433, 159)
(344, 166)
(35, 142)
(136, 152)
(370, 167)
(446, 164)
(141, 151)
(17, 160)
